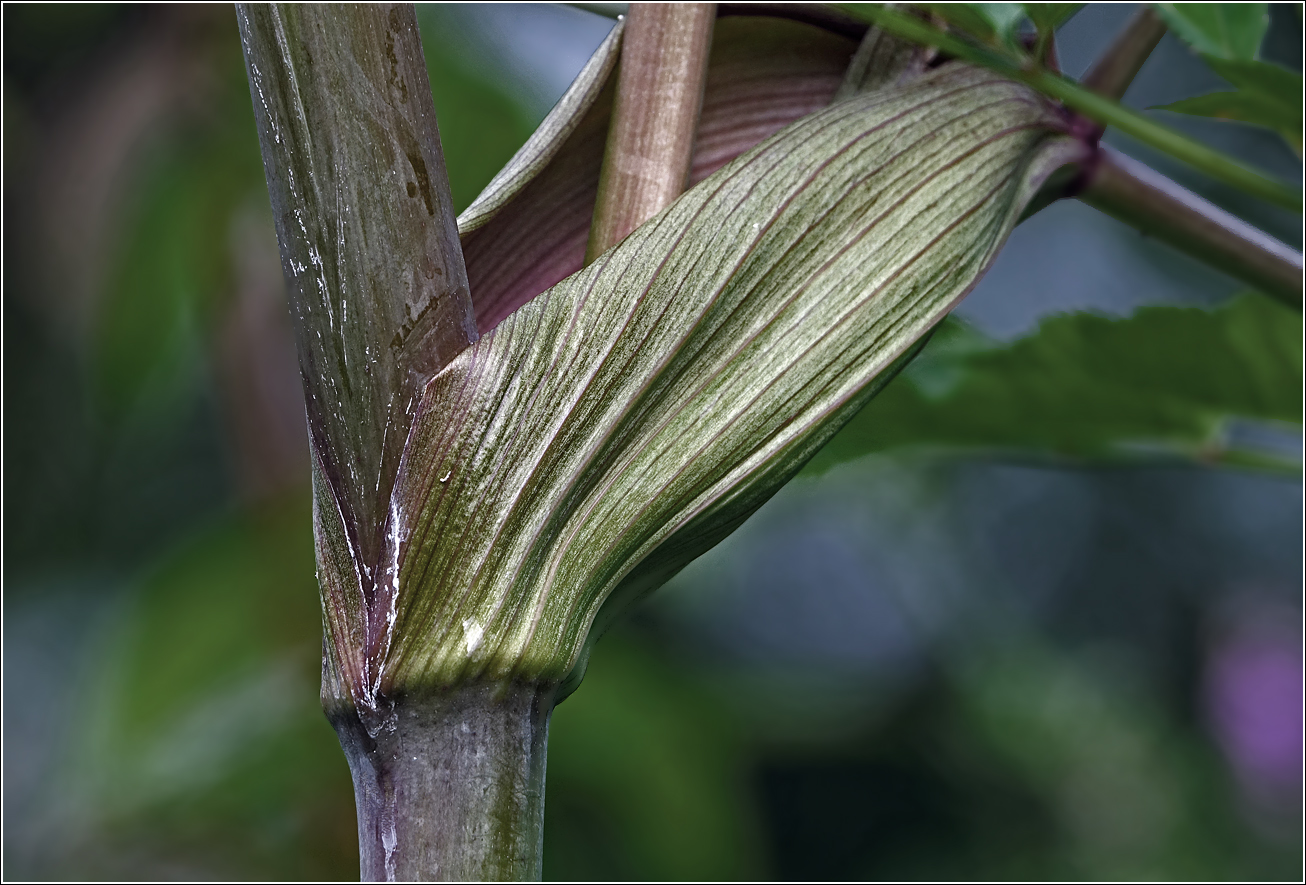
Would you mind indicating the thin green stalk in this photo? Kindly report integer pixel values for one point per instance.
(1097, 108)
(1214, 163)
(651, 138)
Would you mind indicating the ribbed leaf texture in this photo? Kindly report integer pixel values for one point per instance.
(625, 420)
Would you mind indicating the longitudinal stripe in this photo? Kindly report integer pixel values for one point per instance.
(638, 452)
(791, 67)
(715, 294)
(795, 298)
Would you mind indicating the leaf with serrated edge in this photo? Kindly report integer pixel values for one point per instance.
(1261, 76)
(1225, 30)
(1244, 107)
(1090, 389)
(617, 425)
(1268, 95)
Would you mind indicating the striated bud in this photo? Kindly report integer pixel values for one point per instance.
(624, 421)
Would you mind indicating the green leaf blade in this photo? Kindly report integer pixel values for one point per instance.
(1163, 383)
(1048, 17)
(1268, 95)
(1224, 30)
(1261, 76)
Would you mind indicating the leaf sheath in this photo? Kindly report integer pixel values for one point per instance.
(649, 403)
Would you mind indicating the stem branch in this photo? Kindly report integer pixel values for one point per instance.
(651, 138)
(1144, 199)
(1116, 69)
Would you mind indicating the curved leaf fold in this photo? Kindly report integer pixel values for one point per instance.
(528, 229)
(614, 427)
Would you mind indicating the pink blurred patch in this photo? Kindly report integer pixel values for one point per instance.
(1253, 697)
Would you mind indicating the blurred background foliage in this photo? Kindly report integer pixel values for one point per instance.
(1035, 614)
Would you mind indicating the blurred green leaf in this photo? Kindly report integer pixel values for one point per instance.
(1166, 380)
(172, 266)
(647, 777)
(1049, 16)
(1225, 30)
(989, 22)
(1128, 793)
(1274, 80)
(202, 741)
(1268, 95)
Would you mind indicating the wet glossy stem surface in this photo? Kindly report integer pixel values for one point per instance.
(452, 788)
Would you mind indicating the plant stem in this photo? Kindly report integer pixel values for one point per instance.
(451, 787)
(821, 15)
(1144, 199)
(1116, 69)
(651, 138)
(369, 246)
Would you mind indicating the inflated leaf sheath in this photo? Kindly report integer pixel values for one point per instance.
(623, 421)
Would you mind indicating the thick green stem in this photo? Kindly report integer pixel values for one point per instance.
(369, 246)
(1150, 202)
(450, 787)
(650, 145)
(1115, 70)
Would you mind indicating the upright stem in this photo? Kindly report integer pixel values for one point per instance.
(1115, 70)
(651, 138)
(451, 788)
(451, 785)
(1142, 198)
(379, 298)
